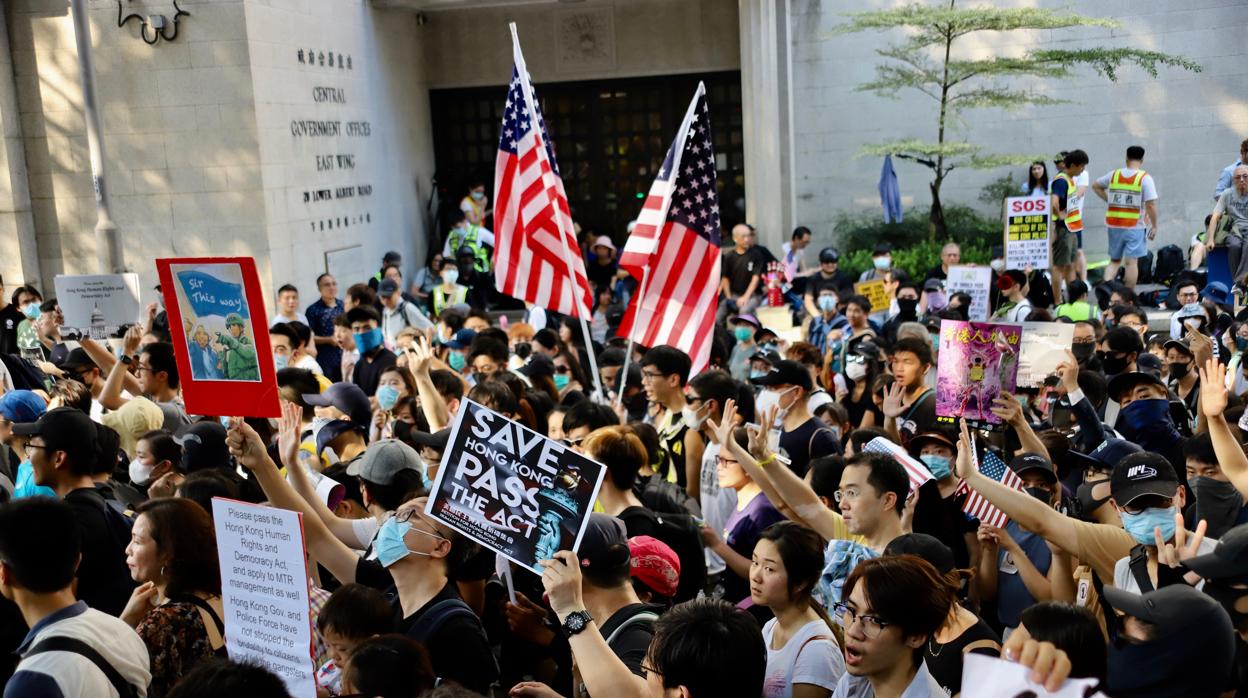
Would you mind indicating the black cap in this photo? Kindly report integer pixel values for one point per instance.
(1228, 561)
(998, 251)
(604, 545)
(1124, 383)
(76, 359)
(335, 428)
(771, 357)
(420, 439)
(348, 398)
(1105, 456)
(1184, 345)
(762, 333)
(828, 255)
(203, 446)
(1142, 474)
(1149, 363)
(1171, 609)
(1124, 340)
(920, 440)
(785, 372)
(387, 287)
(1025, 462)
(538, 365)
(63, 429)
(392, 257)
(925, 546)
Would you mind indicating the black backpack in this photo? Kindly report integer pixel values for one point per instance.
(665, 497)
(1169, 263)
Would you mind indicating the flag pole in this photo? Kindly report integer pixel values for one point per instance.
(582, 311)
(622, 381)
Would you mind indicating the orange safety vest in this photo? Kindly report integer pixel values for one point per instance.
(1074, 207)
(1126, 199)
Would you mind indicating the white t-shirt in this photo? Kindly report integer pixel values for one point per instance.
(299, 317)
(718, 503)
(1123, 579)
(817, 662)
(309, 363)
(1147, 188)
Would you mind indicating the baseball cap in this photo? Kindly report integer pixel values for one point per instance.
(462, 339)
(1149, 363)
(828, 255)
(1184, 345)
(785, 372)
(604, 545)
(335, 428)
(933, 285)
(203, 446)
(384, 459)
(762, 333)
(1124, 340)
(132, 420)
(422, 439)
(653, 563)
(920, 440)
(348, 398)
(1170, 608)
(747, 318)
(1217, 292)
(387, 287)
(1024, 462)
(1124, 383)
(1142, 474)
(20, 406)
(1228, 561)
(538, 365)
(63, 429)
(770, 356)
(77, 358)
(1105, 456)
(604, 241)
(392, 257)
(927, 547)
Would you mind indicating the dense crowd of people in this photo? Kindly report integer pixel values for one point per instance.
(746, 540)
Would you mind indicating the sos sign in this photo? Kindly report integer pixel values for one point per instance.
(1019, 205)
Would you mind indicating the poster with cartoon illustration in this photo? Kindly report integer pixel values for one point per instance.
(217, 319)
(511, 489)
(977, 362)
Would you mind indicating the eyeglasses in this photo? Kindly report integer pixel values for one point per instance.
(872, 626)
(407, 515)
(720, 460)
(647, 375)
(846, 494)
(139, 368)
(1188, 294)
(573, 443)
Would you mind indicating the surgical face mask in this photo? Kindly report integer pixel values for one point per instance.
(827, 304)
(31, 310)
(690, 417)
(368, 340)
(936, 301)
(882, 263)
(450, 276)
(280, 361)
(755, 373)
(1083, 351)
(562, 380)
(139, 473)
(855, 370)
(389, 547)
(1217, 502)
(742, 334)
(457, 361)
(478, 195)
(1241, 343)
(998, 265)
(937, 464)
(387, 396)
(765, 400)
(1141, 525)
(1179, 370)
(782, 411)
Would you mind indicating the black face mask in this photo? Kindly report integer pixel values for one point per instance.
(1218, 503)
(1039, 493)
(1083, 351)
(1179, 370)
(1084, 500)
(1112, 364)
(907, 306)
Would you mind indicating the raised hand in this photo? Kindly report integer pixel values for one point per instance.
(289, 427)
(965, 462)
(562, 580)
(1068, 371)
(723, 429)
(420, 356)
(1213, 392)
(1182, 549)
(245, 444)
(1007, 407)
(134, 337)
(894, 405)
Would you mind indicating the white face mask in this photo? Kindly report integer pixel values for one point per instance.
(998, 265)
(139, 473)
(855, 371)
(691, 418)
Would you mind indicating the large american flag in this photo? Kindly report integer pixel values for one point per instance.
(674, 248)
(915, 470)
(979, 507)
(536, 256)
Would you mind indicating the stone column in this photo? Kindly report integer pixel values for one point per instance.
(767, 113)
(19, 257)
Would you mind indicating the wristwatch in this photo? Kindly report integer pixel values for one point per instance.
(575, 622)
(125, 359)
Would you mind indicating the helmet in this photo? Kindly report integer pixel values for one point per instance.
(234, 319)
(829, 255)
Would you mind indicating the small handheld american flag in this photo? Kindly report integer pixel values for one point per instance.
(915, 470)
(979, 507)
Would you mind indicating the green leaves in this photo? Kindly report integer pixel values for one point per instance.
(955, 154)
(934, 24)
(1107, 61)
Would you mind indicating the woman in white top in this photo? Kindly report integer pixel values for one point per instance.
(804, 659)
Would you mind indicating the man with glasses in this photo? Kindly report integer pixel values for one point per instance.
(155, 377)
(62, 447)
(893, 605)
(1233, 203)
(664, 372)
(321, 315)
(583, 418)
(1186, 293)
(487, 357)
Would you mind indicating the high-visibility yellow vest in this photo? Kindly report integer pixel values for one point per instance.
(1126, 199)
(441, 300)
(471, 239)
(1074, 212)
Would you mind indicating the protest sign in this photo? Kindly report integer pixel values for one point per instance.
(511, 489)
(1027, 232)
(97, 305)
(220, 336)
(984, 676)
(976, 362)
(874, 292)
(264, 590)
(975, 282)
(1044, 346)
(780, 321)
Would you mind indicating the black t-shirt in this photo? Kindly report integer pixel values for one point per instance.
(944, 662)
(368, 369)
(10, 318)
(740, 268)
(632, 643)
(919, 417)
(838, 282)
(937, 272)
(943, 519)
(104, 581)
(680, 536)
(859, 408)
(811, 439)
(458, 650)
